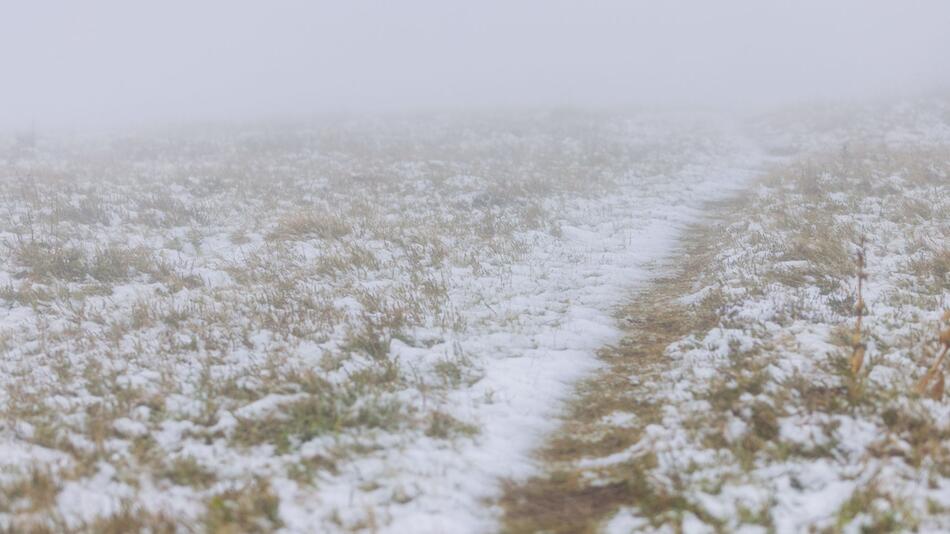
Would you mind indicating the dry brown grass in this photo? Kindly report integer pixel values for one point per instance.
(249, 508)
(932, 383)
(858, 347)
(306, 224)
(34, 492)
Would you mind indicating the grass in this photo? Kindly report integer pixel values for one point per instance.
(161, 284)
(303, 225)
(33, 492)
(158, 291)
(186, 471)
(932, 383)
(858, 347)
(444, 426)
(316, 415)
(721, 398)
(249, 508)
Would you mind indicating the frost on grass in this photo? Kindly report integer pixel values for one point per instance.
(352, 325)
(739, 404)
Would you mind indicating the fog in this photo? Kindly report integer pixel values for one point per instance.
(79, 64)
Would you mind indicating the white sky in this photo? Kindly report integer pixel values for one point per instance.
(92, 62)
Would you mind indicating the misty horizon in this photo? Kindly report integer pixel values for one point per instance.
(110, 63)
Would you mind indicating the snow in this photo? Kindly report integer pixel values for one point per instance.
(526, 313)
(529, 371)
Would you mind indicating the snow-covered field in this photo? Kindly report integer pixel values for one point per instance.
(767, 406)
(371, 324)
(348, 325)
(766, 421)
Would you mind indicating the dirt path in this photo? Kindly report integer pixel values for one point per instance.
(564, 498)
(760, 385)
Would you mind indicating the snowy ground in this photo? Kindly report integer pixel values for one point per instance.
(765, 422)
(344, 326)
(350, 325)
(762, 406)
